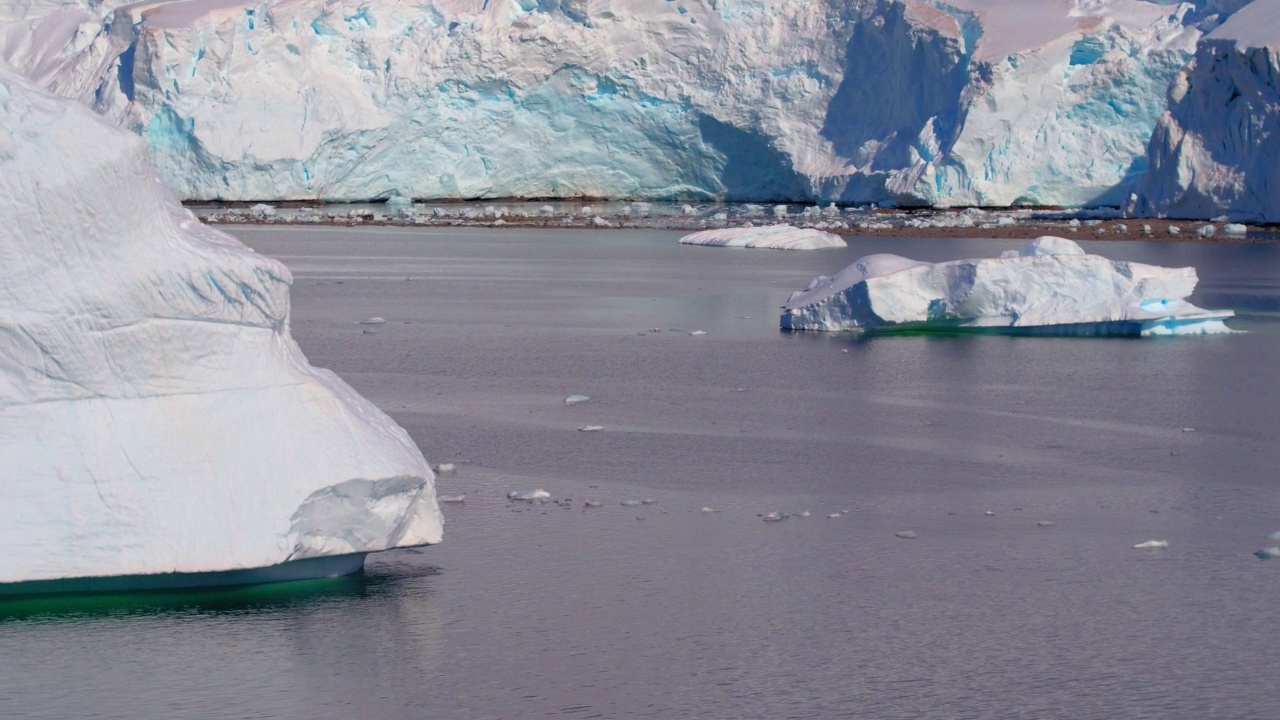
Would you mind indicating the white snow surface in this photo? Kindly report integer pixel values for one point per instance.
(155, 414)
(969, 102)
(1049, 286)
(776, 237)
(1217, 149)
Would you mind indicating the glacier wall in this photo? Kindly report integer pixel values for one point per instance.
(968, 102)
(156, 416)
(1217, 148)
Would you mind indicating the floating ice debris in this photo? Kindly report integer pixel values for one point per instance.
(1206, 231)
(576, 399)
(1048, 287)
(591, 428)
(1234, 229)
(1188, 429)
(451, 498)
(989, 512)
(369, 331)
(1270, 553)
(648, 501)
(698, 332)
(708, 510)
(905, 535)
(373, 321)
(1274, 536)
(835, 515)
(528, 495)
(592, 503)
(445, 469)
(775, 237)
(803, 513)
(1174, 230)
(775, 516)
(630, 503)
(1151, 545)
(1046, 523)
(600, 222)
(689, 210)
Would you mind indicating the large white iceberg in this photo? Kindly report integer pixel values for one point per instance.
(776, 237)
(158, 424)
(967, 102)
(1048, 287)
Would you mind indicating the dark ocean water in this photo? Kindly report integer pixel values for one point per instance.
(664, 611)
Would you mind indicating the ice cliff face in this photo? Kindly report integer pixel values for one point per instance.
(970, 102)
(155, 414)
(1217, 149)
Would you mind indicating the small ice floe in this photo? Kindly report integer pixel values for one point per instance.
(591, 428)
(834, 515)
(1270, 553)
(528, 495)
(576, 399)
(1234, 229)
(445, 469)
(630, 503)
(1188, 429)
(1273, 536)
(803, 513)
(1151, 545)
(698, 332)
(648, 501)
(451, 498)
(1206, 231)
(592, 503)
(1046, 523)
(989, 512)
(373, 321)
(1174, 230)
(706, 510)
(369, 331)
(905, 535)
(775, 516)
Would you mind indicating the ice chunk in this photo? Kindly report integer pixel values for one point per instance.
(1270, 553)
(592, 503)
(1274, 536)
(576, 399)
(528, 495)
(445, 469)
(452, 498)
(373, 321)
(775, 516)
(905, 535)
(1151, 545)
(834, 515)
(630, 503)
(1235, 229)
(1046, 523)
(159, 420)
(1051, 287)
(706, 510)
(591, 428)
(776, 237)
(698, 332)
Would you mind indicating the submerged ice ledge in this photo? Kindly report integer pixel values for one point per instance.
(1048, 287)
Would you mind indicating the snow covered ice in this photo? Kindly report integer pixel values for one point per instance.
(1049, 286)
(776, 237)
(1046, 102)
(156, 416)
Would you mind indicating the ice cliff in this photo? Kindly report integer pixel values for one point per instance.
(967, 102)
(155, 414)
(1217, 149)
(1050, 286)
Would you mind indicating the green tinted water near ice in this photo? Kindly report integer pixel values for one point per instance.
(662, 610)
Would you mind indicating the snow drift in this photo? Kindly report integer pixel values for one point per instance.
(970, 102)
(155, 414)
(1049, 286)
(776, 237)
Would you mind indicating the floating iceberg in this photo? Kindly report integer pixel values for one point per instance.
(775, 237)
(159, 426)
(1048, 287)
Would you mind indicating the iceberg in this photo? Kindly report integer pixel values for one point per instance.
(1048, 287)
(1047, 102)
(1217, 148)
(159, 426)
(776, 237)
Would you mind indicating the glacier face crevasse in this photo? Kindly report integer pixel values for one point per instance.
(969, 102)
(156, 416)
